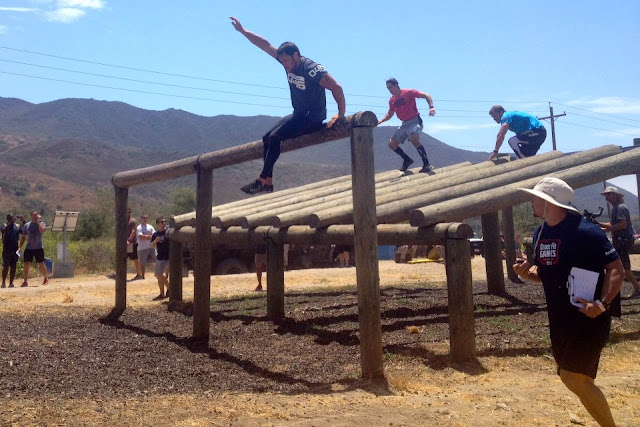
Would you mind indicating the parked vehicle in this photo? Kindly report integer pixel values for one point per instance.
(229, 260)
(477, 246)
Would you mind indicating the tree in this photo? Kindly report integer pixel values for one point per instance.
(91, 225)
(183, 200)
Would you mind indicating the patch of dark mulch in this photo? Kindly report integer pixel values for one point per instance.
(149, 351)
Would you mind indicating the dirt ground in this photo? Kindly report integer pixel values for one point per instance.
(62, 362)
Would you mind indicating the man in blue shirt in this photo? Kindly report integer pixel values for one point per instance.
(530, 134)
(32, 232)
(307, 83)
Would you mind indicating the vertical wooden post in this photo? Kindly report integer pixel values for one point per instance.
(636, 143)
(493, 252)
(175, 270)
(366, 250)
(121, 197)
(509, 242)
(275, 279)
(202, 259)
(462, 337)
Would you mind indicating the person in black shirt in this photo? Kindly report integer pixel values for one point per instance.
(622, 233)
(307, 83)
(160, 242)
(10, 239)
(565, 245)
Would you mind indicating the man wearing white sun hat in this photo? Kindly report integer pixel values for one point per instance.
(564, 243)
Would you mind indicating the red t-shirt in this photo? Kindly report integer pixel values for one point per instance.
(404, 104)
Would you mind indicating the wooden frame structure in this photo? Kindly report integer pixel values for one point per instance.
(363, 212)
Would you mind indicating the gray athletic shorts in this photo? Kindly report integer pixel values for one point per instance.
(407, 128)
(161, 266)
(146, 256)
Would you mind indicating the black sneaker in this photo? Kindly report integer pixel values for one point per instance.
(427, 169)
(405, 164)
(257, 187)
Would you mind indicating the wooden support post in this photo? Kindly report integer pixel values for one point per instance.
(493, 253)
(509, 242)
(636, 143)
(176, 265)
(121, 197)
(275, 279)
(462, 338)
(202, 259)
(366, 249)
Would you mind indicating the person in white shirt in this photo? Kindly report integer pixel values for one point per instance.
(146, 253)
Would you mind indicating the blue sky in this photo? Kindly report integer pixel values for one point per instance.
(468, 55)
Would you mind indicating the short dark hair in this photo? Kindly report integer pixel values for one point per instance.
(496, 109)
(10, 217)
(393, 81)
(287, 48)
(159, 219)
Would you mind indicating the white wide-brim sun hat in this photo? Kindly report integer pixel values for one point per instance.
(554, 191)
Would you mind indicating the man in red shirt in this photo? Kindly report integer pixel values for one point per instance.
(403, 103)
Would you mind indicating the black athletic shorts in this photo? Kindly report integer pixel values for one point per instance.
(577, 347)
(9, 259)
(30, 254)
(534, 139)
(134, 254)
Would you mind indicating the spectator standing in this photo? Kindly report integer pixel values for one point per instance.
(530, 134)
(403, 104)
(160, 242)
(565, 241)
(132, 244)
(146, 253)
(10, 246)
(260, 260)
(32, 232)
(307, 83)
(622, 233)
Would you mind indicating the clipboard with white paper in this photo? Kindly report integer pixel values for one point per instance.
(582, 284)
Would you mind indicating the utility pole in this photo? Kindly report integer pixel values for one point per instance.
(553, 126)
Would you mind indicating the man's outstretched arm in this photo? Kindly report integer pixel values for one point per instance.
(254, 38)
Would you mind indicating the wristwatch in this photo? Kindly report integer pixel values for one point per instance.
(606, 304)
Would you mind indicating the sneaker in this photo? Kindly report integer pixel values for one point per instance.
(3, 286)
(405, 164)
(427, 169)
(136, 277)
(258, 288)
(46, 282)
(635, 295)
(11, 285)
(159, 298)
(24, 284)
(257, 187)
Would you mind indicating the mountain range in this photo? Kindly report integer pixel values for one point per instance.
(56, 155)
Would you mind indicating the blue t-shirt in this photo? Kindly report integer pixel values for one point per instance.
(520, 122)
(575, 242)
(34, 236)
(307, 96)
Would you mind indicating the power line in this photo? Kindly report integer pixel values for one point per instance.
(594, 128)
(596, 112)
(141, 91)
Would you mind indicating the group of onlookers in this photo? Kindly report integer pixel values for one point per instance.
(15, 232)
(145, 245)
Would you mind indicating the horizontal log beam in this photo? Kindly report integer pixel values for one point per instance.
(388, 234)
(496, 199)
(239, 154)
(459, 192)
